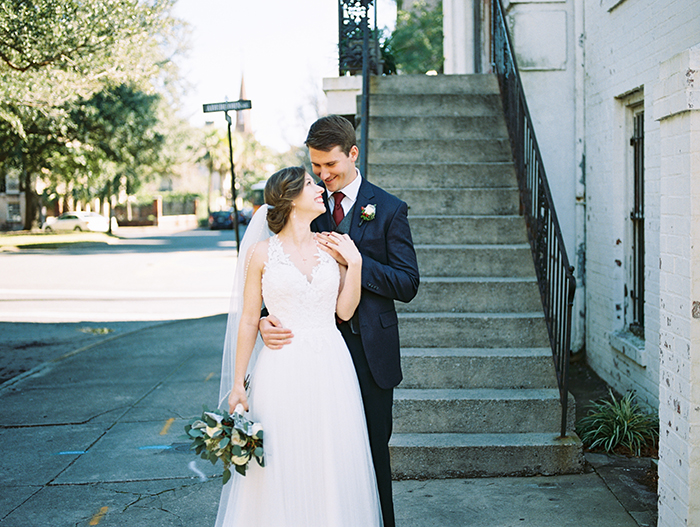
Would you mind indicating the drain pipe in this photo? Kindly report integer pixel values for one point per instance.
(578, 341)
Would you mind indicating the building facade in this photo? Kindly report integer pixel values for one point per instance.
(613, 87)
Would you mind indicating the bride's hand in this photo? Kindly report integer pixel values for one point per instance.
(236, 397)
(341, 247)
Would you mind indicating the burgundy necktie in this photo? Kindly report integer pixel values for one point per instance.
(338, 212)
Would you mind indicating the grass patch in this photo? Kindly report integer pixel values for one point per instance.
(42, 240)
(619, 426)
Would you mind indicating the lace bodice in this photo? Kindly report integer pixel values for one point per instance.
(290, 296)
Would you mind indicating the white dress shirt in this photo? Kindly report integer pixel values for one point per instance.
(351, 190)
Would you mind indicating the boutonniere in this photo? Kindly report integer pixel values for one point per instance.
(367, 213)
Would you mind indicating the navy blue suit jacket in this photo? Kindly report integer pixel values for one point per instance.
(389, 272)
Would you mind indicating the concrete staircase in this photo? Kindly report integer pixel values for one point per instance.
(479, 396)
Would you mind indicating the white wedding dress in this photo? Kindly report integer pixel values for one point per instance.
(318, 467)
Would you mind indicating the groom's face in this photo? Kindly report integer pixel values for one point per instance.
(335, 168)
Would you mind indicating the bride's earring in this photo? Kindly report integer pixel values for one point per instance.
(294, 211)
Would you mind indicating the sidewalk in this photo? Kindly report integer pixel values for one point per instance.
(94, 439)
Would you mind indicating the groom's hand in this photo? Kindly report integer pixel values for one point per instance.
(274, 335)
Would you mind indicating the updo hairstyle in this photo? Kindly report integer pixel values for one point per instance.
(282, 187)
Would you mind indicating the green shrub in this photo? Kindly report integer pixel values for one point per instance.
(614, 425)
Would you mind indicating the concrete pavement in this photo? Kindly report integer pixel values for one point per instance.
(93, 438)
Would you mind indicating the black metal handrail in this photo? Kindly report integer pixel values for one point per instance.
(356, 55)
(554, 274)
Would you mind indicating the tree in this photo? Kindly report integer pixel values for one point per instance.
(54, 53)
(114, 143)
(415, 46)
(253, 161)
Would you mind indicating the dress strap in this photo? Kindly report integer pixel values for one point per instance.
(275, 252)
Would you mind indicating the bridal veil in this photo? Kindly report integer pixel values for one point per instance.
(256, 231)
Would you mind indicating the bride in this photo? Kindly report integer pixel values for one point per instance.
(318, 467)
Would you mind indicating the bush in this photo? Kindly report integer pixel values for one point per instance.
(618, 426)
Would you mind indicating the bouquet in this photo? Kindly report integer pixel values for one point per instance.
(232, 438)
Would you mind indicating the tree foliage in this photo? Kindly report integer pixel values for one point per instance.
(253, 161)
(416, 44)
(64, 60)
(113, 143)
(53, 51)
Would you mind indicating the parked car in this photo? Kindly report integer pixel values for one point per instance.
(78, 221)
(221, 219)
(245, 215)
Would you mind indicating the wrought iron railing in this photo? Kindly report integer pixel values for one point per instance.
(554, 274)
(358, 52)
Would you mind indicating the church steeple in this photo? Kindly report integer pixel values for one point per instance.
(243, 123)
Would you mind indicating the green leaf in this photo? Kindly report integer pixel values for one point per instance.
(227, 476)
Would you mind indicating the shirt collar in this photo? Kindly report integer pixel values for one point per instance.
(352, 189)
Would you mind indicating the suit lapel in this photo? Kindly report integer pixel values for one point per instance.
(364, 196)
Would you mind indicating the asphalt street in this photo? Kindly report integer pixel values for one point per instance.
(92, 410)
(144, 275)
(95, 438)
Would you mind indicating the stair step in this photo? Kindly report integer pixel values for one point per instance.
(439, 150)
(427, 456)
(449, 230)
(479, 379)
(424, 84)
(512, 260)
(473, 330)
(503, 411)
(457, 105)
(442, 175)
(437, 127)
(474, 201)
(480, 295)
(462, 368)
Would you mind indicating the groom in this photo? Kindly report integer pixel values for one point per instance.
(378, 224)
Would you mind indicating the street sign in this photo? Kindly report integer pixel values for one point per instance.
(241, 104)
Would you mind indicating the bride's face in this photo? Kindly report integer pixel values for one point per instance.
(311, 198)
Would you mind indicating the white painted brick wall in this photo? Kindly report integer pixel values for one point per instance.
(623, 50)
(679, 256)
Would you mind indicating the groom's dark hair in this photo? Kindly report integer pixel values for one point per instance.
(331, 131)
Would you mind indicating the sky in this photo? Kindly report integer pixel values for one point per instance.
(283, 48)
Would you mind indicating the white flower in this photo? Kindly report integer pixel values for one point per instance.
(237, 439)
(213, 431)
(367, 213)
(239, 460)
(257, 427)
